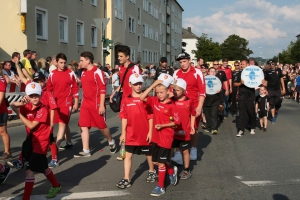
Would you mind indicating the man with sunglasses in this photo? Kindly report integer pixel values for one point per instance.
(235, 78)
(163, 68)
(274, 81)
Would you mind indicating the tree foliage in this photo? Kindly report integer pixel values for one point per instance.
(235, 48)
(207, 49)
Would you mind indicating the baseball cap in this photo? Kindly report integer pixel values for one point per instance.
(180, 83)
(166, 78)
(33, 88)
(183, 55)
(38, 75)
(270, 62)
(163, 59)
(136, 78)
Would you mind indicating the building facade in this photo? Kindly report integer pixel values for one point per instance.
(190, 39)
(50, 27)
(151, 28)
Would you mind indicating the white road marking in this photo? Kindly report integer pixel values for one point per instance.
(270, 183)
(239, 177)
(71, 196)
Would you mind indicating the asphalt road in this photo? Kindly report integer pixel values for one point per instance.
(260, 166)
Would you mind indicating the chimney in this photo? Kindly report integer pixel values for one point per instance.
(189, 29)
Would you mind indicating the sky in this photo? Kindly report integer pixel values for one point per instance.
(268, 25)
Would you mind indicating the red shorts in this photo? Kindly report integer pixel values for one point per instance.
(62, 115)
(89, 117)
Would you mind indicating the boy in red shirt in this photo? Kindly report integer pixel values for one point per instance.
(92, 111)
(35, 116)
(136, 132)
(62, 83)
(185, 112)
(163, 133)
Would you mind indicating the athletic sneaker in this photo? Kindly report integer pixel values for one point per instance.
(113, 148)
(124, 183)
(206, 130)
(240, 134)
(214, 132)
(203, 125)
(53, 164)
(177, 158)
(82, 154)
(53, 191)
(264, 130)
(151, 177)
(193, 153)
(252, 131)
(17, 164)
(260, 128)
(274, 118)
(119, 158)
(66, 146)
(6, 156)
(158, 191)
(185, 175)
(5, 174)
(173, 177)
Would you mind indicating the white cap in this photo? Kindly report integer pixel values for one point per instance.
(166, 78)
(136, 78)
(180, 83)
(33, 88)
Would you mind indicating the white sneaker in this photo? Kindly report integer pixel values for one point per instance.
(240, 134)
(177, 158)
(193, 153)
(252, 131)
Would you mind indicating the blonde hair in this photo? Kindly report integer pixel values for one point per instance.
(41, 63)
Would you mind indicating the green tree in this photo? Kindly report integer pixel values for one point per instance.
(207, 49)
(295, 52)
(235, 48)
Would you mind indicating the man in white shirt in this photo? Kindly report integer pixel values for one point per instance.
(53, 64)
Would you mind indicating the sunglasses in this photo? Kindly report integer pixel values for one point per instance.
(216, 64)
(236, 65)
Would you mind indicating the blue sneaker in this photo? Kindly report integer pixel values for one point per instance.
(53, 164)
(173, 177)
(158, 191)
(274, 118)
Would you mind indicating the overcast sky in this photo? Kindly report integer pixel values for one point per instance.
(268, 25)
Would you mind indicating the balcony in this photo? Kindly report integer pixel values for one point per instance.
(168, 29)
(168, 10)
(168, 48)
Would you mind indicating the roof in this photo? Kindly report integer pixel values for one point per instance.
(178, 5)
(298, 35)
(187, 34)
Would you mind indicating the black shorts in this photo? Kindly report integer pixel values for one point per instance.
(275, 98)
(37, 163)
(3, 118)
(160, 154)
(139, 150)
(181, 144)
(262, 113)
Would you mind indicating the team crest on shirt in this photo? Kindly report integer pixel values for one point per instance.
(166, 77)
(39, 113)
(32, 86)
(136, 75)
(277, 72)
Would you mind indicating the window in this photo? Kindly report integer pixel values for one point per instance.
(139, 16)
(41, 23)
(132, 1)
(149, 7)
(118, 9)
(156, 35)
(164, 38)
(145, 5)
(149, 57)
(94, 36)
(80, 33)
(131, 24)
(132, 54)
(172, 25)
(145, 30)
(159, 28)
(63, 29)
(163, 18)
(150, 33)
(139, 43)
(145, 53)
(94, 2)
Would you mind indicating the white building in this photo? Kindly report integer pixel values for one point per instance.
(190, 39)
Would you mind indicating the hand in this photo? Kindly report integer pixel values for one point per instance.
(158, 82)
(158, 126)
(122, 137)
(25, 99)
(101, 110)
(18, 83)
(198, 111)
(149, 138)
(226, 93)
(192, 130)
(283, 92)
(242, 81)
(75, 107)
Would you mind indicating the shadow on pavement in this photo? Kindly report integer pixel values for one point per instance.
(280, 197)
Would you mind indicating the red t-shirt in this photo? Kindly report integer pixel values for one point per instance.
(93, 85)
(41, 133)
(195, 83)
(161, 115)
(3, 107)
(64, 87)
(137, 114)
(126, 88)
(228, 73)
(183, 111)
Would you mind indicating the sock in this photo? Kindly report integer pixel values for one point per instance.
(29, 182)
(50, 176)
(170, 170)
(86, 151)
(20, 159)
(187, 169)
(2, 168)
(53, 149)
(161, 176)
(112, 142)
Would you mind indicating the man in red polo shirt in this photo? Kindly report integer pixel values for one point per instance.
(195, 90)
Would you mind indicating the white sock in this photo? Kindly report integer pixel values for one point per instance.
(86, 151)
(112, 142)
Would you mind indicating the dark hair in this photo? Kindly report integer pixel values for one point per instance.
(32, 52)
(224, 60)
(211, 69)
(61, 56)
(263, 86)
(15, 54)
(48, 59)
(124, 49)
(199, 59)
(26, 52)
(114, 71)
(4, 63)
(87, 55)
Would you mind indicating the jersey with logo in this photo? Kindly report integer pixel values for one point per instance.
(137, 114)
(125, 87)
(273, 77)
(63, 86)
(93, 85)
